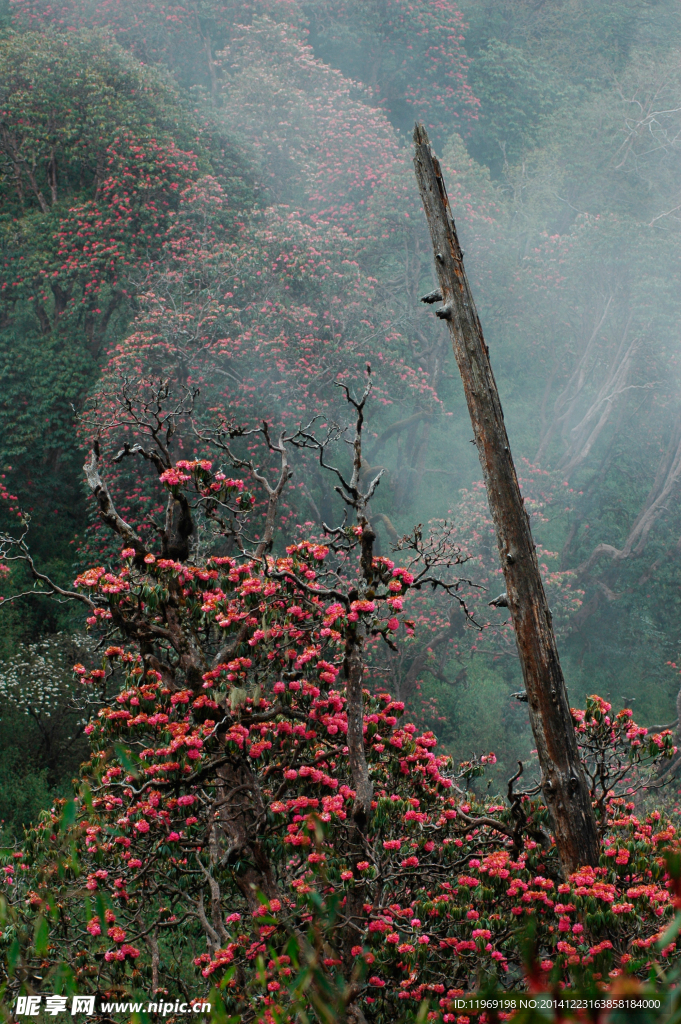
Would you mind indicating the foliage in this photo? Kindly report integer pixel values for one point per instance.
(79, 156)
(258, 327)
(40, 705)
(184, 37)
(414, 52)
(225, 767)
(558, 126)
(582, 208)
(518, 95)
(95, 150)
(37, 683)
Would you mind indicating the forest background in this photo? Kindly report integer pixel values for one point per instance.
(222, 193)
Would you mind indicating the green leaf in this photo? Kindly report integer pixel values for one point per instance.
(13, 956)
(123, 756)
(41, 936)
(86, 796)
(68, 815)
(671, 932)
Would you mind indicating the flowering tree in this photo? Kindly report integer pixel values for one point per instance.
(95, 152)
(417, 59)
(258, 325)
(98, 178)
(37, 682)
(184, 36)
(411, 54)
(249, 802)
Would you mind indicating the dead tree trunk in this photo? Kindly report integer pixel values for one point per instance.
(563, 780)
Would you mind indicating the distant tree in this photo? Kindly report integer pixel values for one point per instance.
(411, 55)
(182, 36)
(95, 151)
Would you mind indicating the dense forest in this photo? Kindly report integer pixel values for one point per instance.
(213, 258)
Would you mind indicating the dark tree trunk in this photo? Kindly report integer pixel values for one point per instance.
(563, 780)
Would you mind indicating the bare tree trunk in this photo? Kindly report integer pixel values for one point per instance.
(585, 434)
(666, 483)
(211, 69)
(567, 399)
(563, 782)
(354, 670)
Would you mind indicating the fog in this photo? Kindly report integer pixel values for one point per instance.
(222, 195)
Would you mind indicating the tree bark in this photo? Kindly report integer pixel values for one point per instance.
(563, 781)
(359, 770)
